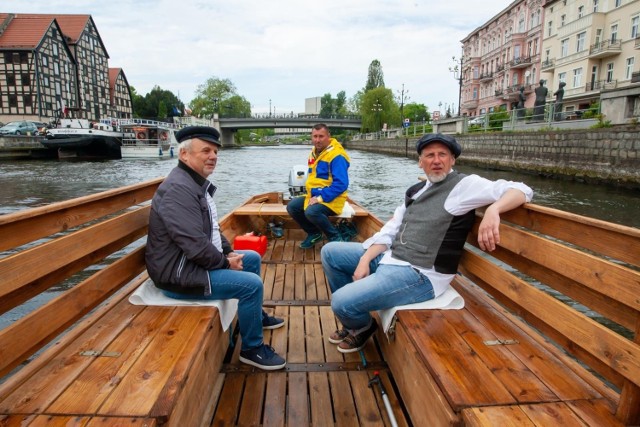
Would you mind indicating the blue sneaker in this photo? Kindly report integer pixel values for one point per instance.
(311, 241)
(263, 357)
(270, 322)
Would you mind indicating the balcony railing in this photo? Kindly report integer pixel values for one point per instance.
(520, 62)
(486, 76)
(548, 64)
(605, 48)
(598, 85)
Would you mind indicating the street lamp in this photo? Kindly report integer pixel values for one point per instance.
(457, 74)
(269, 108)
(377, 108)
(403, 96)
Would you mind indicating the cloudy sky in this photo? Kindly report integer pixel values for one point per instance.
(282, 51)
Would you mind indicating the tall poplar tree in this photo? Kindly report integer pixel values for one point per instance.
(375, 78)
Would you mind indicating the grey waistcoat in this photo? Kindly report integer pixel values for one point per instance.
(429, 236)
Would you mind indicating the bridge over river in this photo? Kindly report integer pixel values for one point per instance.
(229, 125)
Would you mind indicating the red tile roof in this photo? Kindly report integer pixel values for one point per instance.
(24, 33)
(27, 29)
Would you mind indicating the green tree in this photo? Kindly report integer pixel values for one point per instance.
(378, 107)
(156, 104)
(211, 95)
(375, 77)
(417, 112)
(327, 107)
(341, 104)
(235, 106)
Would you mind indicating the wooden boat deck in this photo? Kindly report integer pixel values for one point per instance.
(319, 386)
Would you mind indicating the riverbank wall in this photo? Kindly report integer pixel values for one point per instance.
(24, 147)
(608, 155)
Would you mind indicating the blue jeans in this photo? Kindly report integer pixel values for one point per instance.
(386, 286)
(247, 287)
(313, 220)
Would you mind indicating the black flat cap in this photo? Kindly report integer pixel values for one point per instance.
(447, 140)
(205, 133)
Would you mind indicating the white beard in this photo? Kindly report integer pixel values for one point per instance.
(434, 179)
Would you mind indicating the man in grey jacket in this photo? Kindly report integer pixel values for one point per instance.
(188, 257)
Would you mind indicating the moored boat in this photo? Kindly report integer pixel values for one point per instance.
(478, 365)
(78, 138)
(148, 139)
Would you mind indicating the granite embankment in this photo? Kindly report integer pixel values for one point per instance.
(608, 155)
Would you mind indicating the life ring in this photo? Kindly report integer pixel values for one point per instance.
(163, 135)
(141, 135)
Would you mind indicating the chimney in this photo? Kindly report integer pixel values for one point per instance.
(7, 21)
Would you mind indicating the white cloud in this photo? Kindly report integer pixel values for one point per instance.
(283, 51)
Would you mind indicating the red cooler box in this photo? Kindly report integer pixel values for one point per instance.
(251, 241)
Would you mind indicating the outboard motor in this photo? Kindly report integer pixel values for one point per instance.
(297, 180)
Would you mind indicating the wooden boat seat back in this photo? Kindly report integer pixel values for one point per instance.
(520, 348)
(87, 352)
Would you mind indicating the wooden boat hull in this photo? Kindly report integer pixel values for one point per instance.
(481, 365)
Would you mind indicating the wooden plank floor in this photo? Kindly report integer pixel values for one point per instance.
(320, 386)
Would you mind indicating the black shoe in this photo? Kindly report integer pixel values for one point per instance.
(353, 343)
(270, 322)
(263, 357)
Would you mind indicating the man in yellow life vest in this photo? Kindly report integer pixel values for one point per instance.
(327, 183)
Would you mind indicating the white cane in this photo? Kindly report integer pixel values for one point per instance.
(385, 398)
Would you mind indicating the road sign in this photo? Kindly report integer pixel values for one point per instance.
(407, 120)
(435, 115)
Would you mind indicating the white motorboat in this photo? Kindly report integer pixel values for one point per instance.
(148, 139)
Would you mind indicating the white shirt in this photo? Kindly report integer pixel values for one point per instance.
(470, 193)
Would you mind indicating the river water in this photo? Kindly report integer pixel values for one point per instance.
(377, 181)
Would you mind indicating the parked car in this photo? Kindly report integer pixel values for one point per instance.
(19, 128)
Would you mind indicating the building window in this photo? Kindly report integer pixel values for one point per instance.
(45, 60)
(618, 3)
(13, 101)
(609, 72)
(580, 40)
(26, 99)
(550, 28)
(614, 33)
(634, 26)
(595, 6)
(580, 11)
(45, 80)
(56, 69)
(629, 68)
(564, 48)
(55, 49)
(563, 18)
(562, 77)
(26, 79)
(577, 77)
(11, 80)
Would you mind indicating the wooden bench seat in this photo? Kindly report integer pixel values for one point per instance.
(488, 363)
(266, 209)
(100, 359)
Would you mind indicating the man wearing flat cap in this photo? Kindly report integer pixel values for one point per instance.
(414, 257)
(188, 257)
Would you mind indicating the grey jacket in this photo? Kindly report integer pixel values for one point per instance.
(179, 251)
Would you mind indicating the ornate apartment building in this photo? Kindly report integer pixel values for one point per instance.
(590, 45)
(500, 57)
(56, 64)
